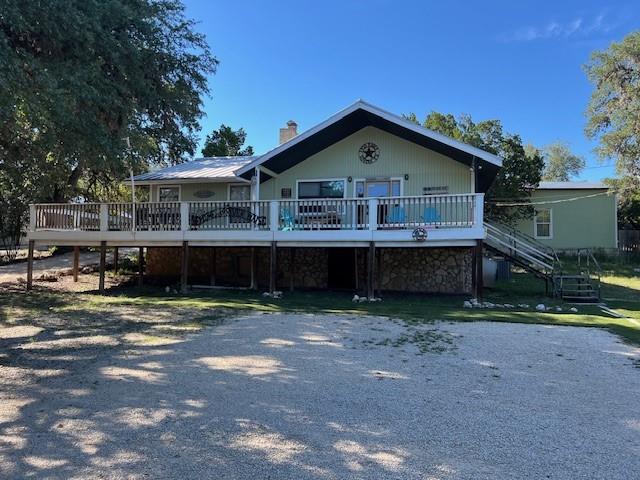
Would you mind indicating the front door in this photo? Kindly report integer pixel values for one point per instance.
(378, 189)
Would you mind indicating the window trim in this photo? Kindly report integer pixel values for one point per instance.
(343, 180)
(238, 184)
(178, 186)
(379, 179)
(535, 225)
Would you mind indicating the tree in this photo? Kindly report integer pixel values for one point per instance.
(628, 195)
(135, 70)
(81, 77)
(560, 164)
(521, 169)
(613, 114)
(226, 142)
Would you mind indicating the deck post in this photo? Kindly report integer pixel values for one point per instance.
(355, 265)
(478, 270)
(254, 278)
(274, 215)
(212, 270)
(184, 216)
(140, 265)
(103, 261)
(76, 262)
(30, 265)
(185, 267)
(273, 267)
(115, 260)
(292, 268)
(104, 217)
(370, 270)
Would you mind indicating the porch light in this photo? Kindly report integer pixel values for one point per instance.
(406, 176)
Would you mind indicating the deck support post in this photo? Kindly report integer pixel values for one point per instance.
(103, 261)
(370, 270)
(292, 268)
(273, 267)
(185, 267)
(254, 277)
(478, 273)
(115, 260)
(355, 266)
(212, 270)
(30, 265)
(76, 262)
(140, 265)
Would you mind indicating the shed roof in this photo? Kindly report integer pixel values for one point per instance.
(572, 186)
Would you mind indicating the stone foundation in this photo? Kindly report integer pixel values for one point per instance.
(424, 270)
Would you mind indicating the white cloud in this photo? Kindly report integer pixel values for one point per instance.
(578, 26)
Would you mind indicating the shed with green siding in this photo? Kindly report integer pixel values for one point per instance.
(573, 215)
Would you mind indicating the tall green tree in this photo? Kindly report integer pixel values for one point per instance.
(226, 142)
(613, 114)
(521, 169)
(79, 78)
(560, 163)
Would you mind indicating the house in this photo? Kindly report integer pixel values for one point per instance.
(365, 201)
(573, 215)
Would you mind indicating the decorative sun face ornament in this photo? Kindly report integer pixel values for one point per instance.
(369, 153)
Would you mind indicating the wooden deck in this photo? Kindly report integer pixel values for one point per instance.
(447, 220)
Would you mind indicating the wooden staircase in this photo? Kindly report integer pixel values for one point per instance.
(524, 251)
(542, 260)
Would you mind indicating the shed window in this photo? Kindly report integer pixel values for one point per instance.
(321, 189)
(542, 223)
(169, 194)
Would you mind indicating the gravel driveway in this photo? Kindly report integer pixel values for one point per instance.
(310, 396)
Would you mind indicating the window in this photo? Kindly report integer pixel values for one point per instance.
(169, 194)
(321, 189)
(378, 188)
(240, 193)
(542, 223)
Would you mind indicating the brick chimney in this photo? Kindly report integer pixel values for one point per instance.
(289, 132)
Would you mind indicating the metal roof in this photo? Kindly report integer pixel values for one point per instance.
(210, 168)
(572, 186)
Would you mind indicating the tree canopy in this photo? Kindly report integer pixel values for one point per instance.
(614, 109)
(79, 77)
(226, 142)
(560, 164)
(83, 79)
(521, 170)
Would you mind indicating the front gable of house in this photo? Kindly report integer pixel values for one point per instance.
(418, 169)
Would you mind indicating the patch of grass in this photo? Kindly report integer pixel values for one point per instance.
(621, 291)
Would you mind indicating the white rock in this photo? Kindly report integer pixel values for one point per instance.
(355, 298)
(508, 305)
(499, 305)
(573, 309)
(467, 304)
(167, 289)
(540, 307)
(523, 305)
(558, 309)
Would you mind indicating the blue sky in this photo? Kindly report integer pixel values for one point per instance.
(520, 62)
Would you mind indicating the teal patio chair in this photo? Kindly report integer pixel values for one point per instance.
(430, 215)
(287, 220)
(397, 215)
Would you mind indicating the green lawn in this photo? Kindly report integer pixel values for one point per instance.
(621, 291)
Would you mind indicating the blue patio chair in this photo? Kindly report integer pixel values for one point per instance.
(396, 215)
(287, 220)
(430, 215)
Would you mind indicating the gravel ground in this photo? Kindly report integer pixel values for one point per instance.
(322, 397)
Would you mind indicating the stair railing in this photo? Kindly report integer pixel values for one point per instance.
(593, 269)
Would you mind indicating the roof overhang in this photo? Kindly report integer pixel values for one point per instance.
(361, 115)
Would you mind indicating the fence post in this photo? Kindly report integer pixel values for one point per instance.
(104, 217)
(184, 216)
(273, 215)
(32, 218)
(373, 214)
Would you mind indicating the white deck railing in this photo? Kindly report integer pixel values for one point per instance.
(389, 213)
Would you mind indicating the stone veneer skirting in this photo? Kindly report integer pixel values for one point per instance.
(427, 270)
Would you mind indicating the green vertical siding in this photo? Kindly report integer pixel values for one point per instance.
(584, 223)
(398, 157)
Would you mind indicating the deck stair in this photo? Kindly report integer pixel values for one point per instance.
(584, 286)
(524, 251)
